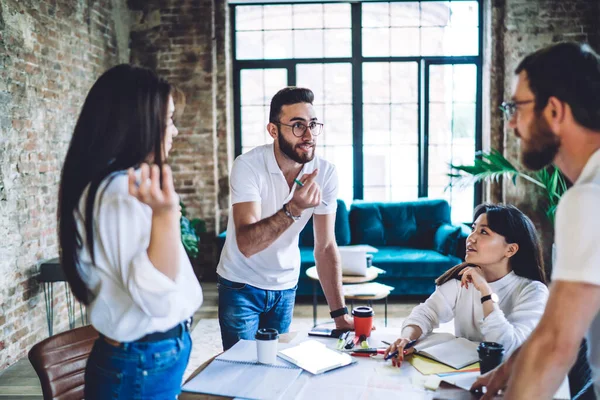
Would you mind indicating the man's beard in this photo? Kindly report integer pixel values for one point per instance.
(540, 150)
(288, 149)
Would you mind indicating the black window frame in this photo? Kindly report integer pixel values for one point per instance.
(357, 60)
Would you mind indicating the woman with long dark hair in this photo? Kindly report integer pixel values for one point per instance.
(119, 233)
(497, 295)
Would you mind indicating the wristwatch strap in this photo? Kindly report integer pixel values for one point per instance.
(289, 214)
(339, 312)
(486, 298)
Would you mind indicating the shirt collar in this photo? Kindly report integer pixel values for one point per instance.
(590, 170)
(271, 160)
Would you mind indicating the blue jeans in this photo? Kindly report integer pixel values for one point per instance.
(243, 309)
(137, 370)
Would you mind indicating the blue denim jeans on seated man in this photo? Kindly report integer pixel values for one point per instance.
(137, 370)
(243, 309)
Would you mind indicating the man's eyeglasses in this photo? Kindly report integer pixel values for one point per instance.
(509, 108)
(299, 129)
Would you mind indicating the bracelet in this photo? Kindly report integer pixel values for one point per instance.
(289, 214)
(339, 312)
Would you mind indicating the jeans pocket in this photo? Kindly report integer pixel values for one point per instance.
(227, 284)
(165, 359)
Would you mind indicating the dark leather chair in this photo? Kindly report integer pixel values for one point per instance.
(60, 362)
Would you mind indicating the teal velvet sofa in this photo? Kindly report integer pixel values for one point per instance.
(416, 242)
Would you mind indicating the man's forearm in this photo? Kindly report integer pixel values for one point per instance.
(330, 275)
(256, 237)
(539, 368)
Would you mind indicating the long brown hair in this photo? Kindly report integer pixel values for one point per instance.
(122, 122)
(516, 227)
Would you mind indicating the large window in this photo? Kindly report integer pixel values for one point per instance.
(397, 85)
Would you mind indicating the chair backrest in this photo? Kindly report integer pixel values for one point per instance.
(60, 362)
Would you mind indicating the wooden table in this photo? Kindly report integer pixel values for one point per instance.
(372, 274)
(445, 391)
(283, 338)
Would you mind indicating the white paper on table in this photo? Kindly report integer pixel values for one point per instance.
(465, 380)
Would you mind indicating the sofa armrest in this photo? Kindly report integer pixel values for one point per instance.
(460, 249)
(449, 240)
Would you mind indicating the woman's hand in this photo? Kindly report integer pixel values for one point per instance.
(474, 275)
(399, 346)
(149, 192)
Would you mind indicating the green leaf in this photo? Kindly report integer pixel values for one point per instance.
(199, 225)
(490, 166)
(190, 231)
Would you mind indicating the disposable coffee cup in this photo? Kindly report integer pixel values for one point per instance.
(266, 345)
(490, 356)
(363, 320)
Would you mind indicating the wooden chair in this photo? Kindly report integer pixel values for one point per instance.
(60, 362)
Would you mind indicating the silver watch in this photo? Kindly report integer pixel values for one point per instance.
(289, 214)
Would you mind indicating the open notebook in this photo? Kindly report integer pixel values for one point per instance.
(315, 357)
(448, 349)
(252, 380)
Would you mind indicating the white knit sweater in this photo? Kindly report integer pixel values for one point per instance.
(522, 302)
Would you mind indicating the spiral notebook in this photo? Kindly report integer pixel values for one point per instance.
(252, 380)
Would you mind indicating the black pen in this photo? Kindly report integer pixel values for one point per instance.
(395, 353)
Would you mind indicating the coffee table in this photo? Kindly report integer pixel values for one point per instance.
(372, 274)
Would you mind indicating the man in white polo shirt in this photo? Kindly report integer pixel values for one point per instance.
(555, 111)
(260, 263)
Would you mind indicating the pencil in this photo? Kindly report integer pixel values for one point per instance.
(302, 185)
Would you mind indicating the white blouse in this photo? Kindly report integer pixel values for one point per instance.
(520, 307)
(132, 297)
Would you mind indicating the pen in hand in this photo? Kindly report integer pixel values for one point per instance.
(302, 184)
(395, 353)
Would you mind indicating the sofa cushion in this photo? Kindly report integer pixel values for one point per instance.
(445, 238)
(366, 224)
(409, 224)
(402, 262)
(399, 224)
(429, 214)
(342, 228)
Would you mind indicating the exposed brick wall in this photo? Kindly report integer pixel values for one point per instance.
(186, 41)
(224, 105)
(520, 27)
(50, 54)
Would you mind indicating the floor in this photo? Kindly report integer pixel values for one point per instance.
(20, 382)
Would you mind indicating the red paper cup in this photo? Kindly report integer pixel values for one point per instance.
(363, 320)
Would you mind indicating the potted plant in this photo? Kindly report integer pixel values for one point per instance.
(489, 166)
(190, 234)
